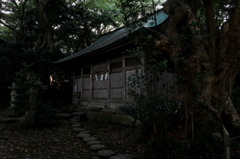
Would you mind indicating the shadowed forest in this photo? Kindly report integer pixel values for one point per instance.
(200, 45)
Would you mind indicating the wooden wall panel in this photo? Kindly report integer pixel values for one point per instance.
(116, 93)
(86, 94)
(78, 82)
(86, 83)
(117, 80)
(100, 94)
(100, 84)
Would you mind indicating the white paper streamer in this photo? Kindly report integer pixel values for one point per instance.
(75, 88)
(106, 76)
(101, 78)
(96, 76)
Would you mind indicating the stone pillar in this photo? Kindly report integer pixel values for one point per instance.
(13, 95)
(29, 114)
(227, 148)
(226, 143)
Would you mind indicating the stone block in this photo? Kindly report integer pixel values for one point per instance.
(104, 117)
(115, 118)
(9, 113)
(79, 113)
(94, 109)
(97, 106)
(66, 109)
(126, 120)
(91, 115)
(107, 110)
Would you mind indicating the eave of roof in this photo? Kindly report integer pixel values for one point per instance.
(110, 39)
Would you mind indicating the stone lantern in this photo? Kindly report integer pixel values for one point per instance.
(13, 95)
(33, 91)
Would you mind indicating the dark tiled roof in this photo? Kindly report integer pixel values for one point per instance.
(107, 40)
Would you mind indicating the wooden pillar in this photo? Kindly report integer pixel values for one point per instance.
(81, 101)
(109, 82)
(73, 90)
(124, 77)
(91, 82)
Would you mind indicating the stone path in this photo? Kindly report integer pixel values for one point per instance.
(92, 141)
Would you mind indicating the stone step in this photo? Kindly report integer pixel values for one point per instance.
(93, 143)
(83, 135)
(97, 147)
(123, 156)
(106, 153)
(76, 126)
(87, 139)
(79, 129)
(11, 120)
(74, 122)
(63, 115)
(79, 114)
(85, 132)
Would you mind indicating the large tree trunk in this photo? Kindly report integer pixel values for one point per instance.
(43, 20)
(210, 65)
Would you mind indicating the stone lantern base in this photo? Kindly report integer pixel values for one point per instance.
(9, 112)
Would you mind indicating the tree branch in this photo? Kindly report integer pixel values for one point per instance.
(23, 10)
(11, 28)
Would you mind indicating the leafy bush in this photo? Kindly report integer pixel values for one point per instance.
(157, 105)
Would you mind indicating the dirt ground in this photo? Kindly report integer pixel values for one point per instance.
(61, 142)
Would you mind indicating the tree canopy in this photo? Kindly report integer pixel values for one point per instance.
(68, 26)
(38, 32)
